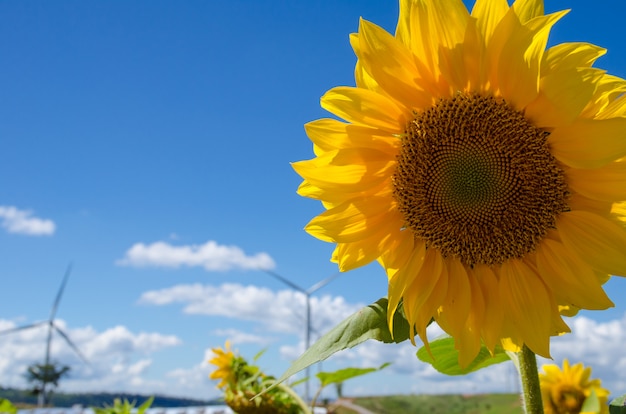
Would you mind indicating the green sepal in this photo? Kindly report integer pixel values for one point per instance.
(444, 357)
(618, 405)
(591, 404)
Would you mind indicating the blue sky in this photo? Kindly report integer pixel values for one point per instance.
(129, 128)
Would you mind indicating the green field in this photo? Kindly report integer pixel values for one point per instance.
(443, 404)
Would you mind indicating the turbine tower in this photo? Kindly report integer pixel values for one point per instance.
(307, 295)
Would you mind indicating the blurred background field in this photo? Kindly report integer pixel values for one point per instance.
(441, 404)
(392, 404)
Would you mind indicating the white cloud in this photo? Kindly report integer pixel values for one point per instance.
(281, 311)
(210, 255)
(236, 336)
(198, 375)
(119, 360)
(139, 367)
(599, 345)
(22, 222)
(121, 341)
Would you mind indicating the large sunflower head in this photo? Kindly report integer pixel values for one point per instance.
(564, 391)
(483, 171)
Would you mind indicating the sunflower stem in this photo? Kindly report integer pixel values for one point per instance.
(531, 392)
(300, 401)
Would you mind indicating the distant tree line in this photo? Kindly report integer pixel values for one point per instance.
(17, 396)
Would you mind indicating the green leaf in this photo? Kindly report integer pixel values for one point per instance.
(298, 382)
(7, 407)
(591, 404)
(259, 354)
(327, 378)
(368, 323)
(143, 407)
(445, 358)
(618, 405)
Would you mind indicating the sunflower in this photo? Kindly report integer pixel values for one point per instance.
(484, 172)
(224, 359)
(247, 389)
(564, 391)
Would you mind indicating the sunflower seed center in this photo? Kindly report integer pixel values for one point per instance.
(476, 180)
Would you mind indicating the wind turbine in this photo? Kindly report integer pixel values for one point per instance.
(51, 324)
(307, 294)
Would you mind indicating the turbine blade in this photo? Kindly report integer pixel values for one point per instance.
(284, 280)
(60, 293)
(21, 328)
(322, 283)
(71, 344)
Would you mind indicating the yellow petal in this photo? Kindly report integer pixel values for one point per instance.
(462, 66)
(562, 97)
(350, 256)
(528, 9)
(365, 80)
(570, 56)
(598, 241)
(423, 280)
(608, 89)
(521, 55)
(306, 189)
(434, 25)
(528, 305)
(568, 310)
(348, 170)
(424, 312)
(578, 201)
(616, 108)
(403, 28)
(359, 253)
(589, 143)
(421, 289)
(365, 107)
(606, 183)
(330, 197)
(492, 324)
(362, 78)
(349, 222)
(397, 252)
(455, 308)
(509, 345)
(618, 210)
(559, 327)
(392, 66)
(488, 14)
(569, 277)
(330, 134)
(469, 340)
(404, 278)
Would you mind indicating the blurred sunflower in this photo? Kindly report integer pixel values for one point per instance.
(484, 172)
(242, 384)
(564, 391)
(224, 359)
